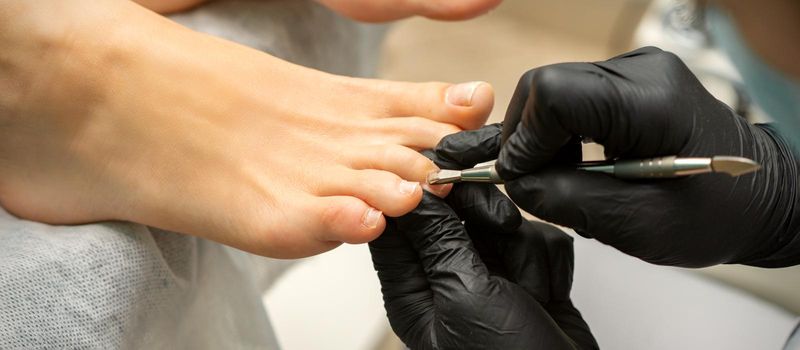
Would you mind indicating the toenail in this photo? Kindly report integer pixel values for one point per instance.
(461, 94)
(371, 218)
(440, 191)
(407, 187)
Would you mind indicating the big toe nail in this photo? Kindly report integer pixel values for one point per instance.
(461, 94)
(476, 99)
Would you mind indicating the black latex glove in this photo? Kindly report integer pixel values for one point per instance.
(646, 103)
(505, 284)
(439, 293)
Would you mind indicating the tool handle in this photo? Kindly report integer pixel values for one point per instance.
(663, 167)
(645, 168)
(481, 173)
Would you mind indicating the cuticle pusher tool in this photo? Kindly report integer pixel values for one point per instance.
(652, 168)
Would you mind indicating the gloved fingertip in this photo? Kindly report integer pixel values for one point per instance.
(467, 148)
(510, 219)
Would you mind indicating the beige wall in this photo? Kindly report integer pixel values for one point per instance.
(502, 45)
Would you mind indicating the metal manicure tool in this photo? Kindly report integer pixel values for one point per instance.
(653, 168)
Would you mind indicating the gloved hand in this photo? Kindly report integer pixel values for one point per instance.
(646, 103)
(493, 282)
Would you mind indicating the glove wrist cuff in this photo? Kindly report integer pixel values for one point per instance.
(784, 245)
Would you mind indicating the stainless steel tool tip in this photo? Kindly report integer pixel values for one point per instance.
(734, 166)
(443, 177)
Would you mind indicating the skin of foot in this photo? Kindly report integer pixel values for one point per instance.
(390, 10)
(109, 111)
(368, 10)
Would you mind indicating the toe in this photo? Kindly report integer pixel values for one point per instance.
(346, 219)
(414, 132)
(290, 230)
(402, 161)
(381, 190)
(465, 105)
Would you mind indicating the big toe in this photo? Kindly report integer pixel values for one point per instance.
(466, 105)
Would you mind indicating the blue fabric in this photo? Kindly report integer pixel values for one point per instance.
(775, 92)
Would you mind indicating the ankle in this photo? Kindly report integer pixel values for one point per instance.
(55, 60)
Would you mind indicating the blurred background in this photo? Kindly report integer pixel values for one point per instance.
(343, 309)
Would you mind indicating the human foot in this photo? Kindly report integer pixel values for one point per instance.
(149, 122)
(389, 10)
(367, 10)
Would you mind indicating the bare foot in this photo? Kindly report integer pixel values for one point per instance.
(389, 10)
(118, 113)
(368, 10)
